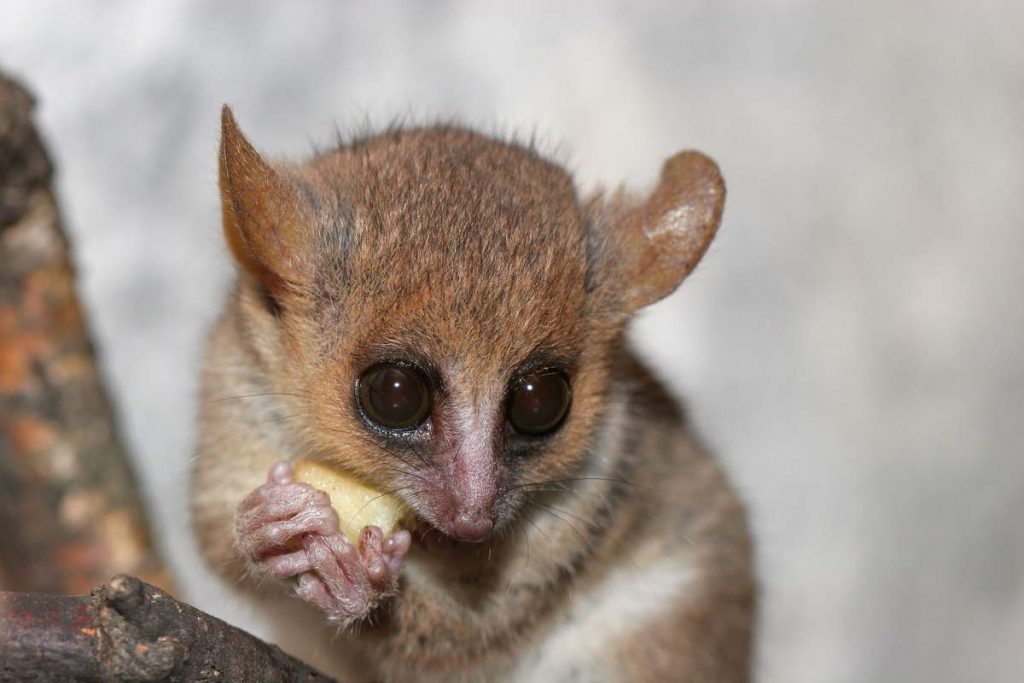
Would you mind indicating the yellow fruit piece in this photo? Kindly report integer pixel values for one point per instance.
(357, 504)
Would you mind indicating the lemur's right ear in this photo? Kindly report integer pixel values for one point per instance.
(267, 223)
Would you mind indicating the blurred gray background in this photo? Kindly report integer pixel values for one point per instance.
(853, 346)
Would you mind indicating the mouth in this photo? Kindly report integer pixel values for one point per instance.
(430, 537)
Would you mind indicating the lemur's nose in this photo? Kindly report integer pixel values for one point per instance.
(471, 526)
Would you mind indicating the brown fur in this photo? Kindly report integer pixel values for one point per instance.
(474, 257)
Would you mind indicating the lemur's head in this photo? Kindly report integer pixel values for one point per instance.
(447, 306)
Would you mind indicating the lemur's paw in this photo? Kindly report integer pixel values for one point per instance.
(272, 522)
(347, 582)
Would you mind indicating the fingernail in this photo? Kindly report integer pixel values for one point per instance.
(281, 473)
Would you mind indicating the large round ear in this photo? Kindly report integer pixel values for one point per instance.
(663, 238)
(267, 223)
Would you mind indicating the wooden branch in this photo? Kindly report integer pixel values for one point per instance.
(127, 630)
(70, 514)
(69, 509)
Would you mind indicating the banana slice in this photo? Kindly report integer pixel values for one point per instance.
(357, 504)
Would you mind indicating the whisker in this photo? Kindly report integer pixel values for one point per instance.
(569, 514)
(526, 537)
(554, 514)
(256, 395)
(277, 419)
(411, 465)
(378, 497)
(566, 489)
(575, 479)
(371, 442)
(539, 530)
(388, 467)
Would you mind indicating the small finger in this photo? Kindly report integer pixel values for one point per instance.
(260, 538)
(348, 557)
(371, 547)
(337, 564)
(287, 566)
(312, 590)
(396, 547)
(371, 539)
(280, 473)
(279, 501)
(291, 499)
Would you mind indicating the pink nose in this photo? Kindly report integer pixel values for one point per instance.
(471, 527)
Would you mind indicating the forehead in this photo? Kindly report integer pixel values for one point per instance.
(451, 242)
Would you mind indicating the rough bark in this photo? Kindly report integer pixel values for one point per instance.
(70, 513)
(127, 630)
(69, 508)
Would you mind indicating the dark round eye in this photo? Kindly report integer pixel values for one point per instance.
(539, 403)
(394, 396)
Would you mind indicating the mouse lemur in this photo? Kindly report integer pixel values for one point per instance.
(439, 315)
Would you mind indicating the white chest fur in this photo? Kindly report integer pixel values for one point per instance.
(597, 619)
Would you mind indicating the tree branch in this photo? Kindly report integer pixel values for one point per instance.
(127, 630)
(69, 507)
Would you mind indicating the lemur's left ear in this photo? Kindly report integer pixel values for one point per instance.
(663, 238)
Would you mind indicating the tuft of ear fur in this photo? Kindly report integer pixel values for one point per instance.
(267, 223)
(661, 239)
